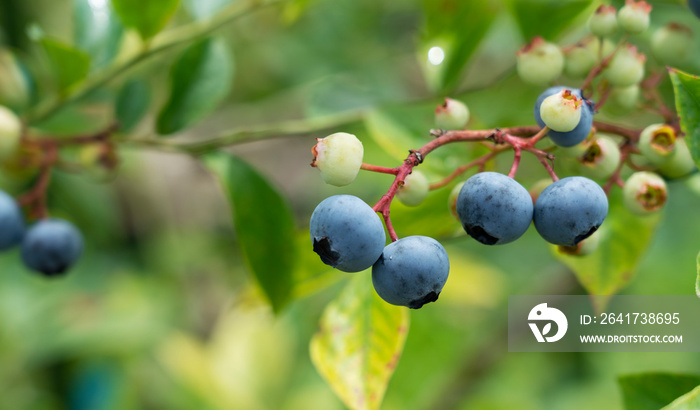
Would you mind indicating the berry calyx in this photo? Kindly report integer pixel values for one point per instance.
(411, 271)
(51, 246)
(601, 158)
(561, 111)
(583, 248)
(494, 209)
(540, 62)
(626, 68)
(451, 115)
(644, 193)
(657, 142)
(346, 233)
(338, 157)
(633, 17)
(603, 23)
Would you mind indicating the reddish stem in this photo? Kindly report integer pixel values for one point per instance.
(36, 196)
(516, 162)
(382, 170)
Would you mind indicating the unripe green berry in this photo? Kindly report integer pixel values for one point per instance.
(626, 68)
(452, 199)
(540, 62)
(634, 16)
(657, 143)
(583, 248)
(601, 159)
(338, 157)
(672, 43)
(561, 111)
(622, 99)
(608, 47)
(580, 59)
(451, 115)
(644, 192)
(10, 133)
(603, 23)
(414, 189)
(681, 162)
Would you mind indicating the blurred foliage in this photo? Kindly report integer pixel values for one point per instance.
(170, 306)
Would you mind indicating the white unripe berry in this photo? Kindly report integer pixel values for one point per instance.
(561, 111)
(451, 115)
(414, 190)
(338, 157)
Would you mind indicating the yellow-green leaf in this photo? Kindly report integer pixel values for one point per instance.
(624, 238)
(689, 401)
(359, 343)
(686, 88)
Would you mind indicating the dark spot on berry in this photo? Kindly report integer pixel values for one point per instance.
(323, 248)
(418, 303)
(480, 235)
(579, 238)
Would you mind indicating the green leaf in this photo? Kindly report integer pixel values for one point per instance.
(686, 88)
(148, 17)
(97, 30)
(652, 391)
(199, 81)
(458, 28)
(70, 65)
(697, 281)
(132, 104)
(558, 15)
(623, 240)
(264, 224)
(203, 9)
(359, 343)
(689, 401)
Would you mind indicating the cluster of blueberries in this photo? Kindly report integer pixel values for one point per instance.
(348, 235)
(493, 208)
(50, 246)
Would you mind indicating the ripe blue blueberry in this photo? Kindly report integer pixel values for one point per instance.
(411, 271)
(346, 233)
(570, 210)
(51, 246)
(578, 134)
(11, 222)
(494, 209)
(694, 7)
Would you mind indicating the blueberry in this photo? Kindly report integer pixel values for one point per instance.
(494, 209)
(11, 222)
(578, 134)
(51, 246)
(694, 7)
(411, 271)
(570, 210)
(346, 233)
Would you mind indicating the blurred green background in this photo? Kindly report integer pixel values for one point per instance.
(162, 312)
